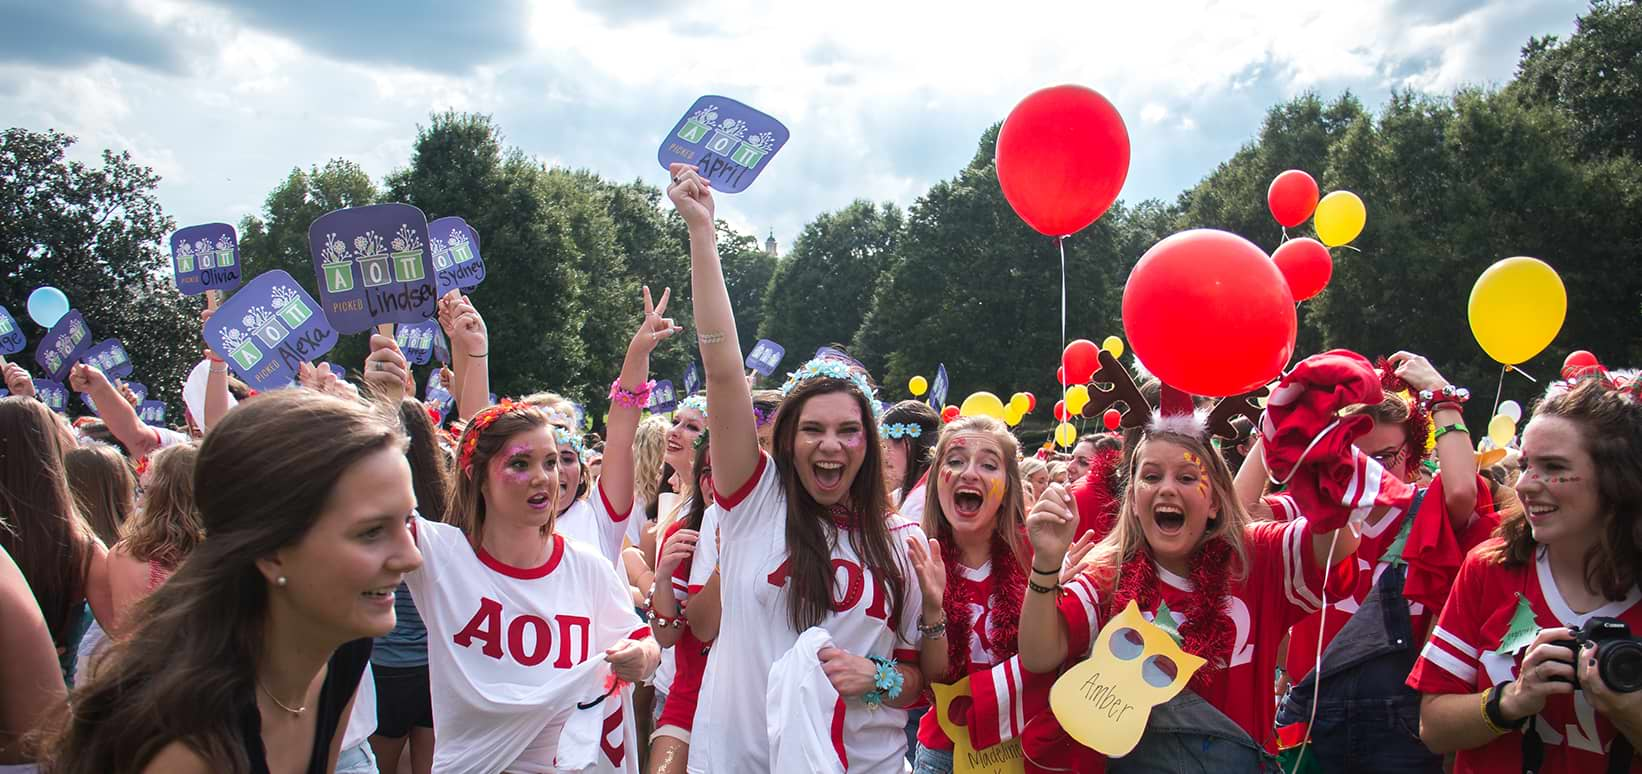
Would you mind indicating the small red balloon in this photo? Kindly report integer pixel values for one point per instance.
(1060, 375)
(1239, 332)
(1031, 403)
(1063, 154)
(949, 413)
(1080, 361)
(1060, 411)
(1306, 266)
(1292, 198)
(1111, 419)
(1580, 363)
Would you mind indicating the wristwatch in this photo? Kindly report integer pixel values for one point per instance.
(1497, 715)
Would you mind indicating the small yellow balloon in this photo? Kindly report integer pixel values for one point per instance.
(1517, 308)
(983, 404)
(1066, 434)
(1501, 429)
(918, 385)
(1340, 218)
(1113, 345)
(1077, 396)
(1011, 417)
(1020, 404)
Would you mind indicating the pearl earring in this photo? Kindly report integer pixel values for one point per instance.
(280, 581)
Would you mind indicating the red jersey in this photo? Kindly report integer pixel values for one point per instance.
(689, 653)
(977, 584)
(1460, 658)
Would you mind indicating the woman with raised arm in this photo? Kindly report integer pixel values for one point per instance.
(247, 658)
(1526, 668)
(796, 520)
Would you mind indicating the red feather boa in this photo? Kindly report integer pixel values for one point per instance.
(1207, 632)
(1003, 609)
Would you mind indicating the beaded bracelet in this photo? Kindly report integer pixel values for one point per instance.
(636, 398)
(933, 631)
(887, 683)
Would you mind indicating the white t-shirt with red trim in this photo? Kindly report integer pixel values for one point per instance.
(1284, 582)
(1460, 658)
(754, 631)
(593, 521)
(505, 645)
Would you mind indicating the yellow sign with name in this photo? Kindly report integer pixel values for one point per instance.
(1002, 758)
(1134, 666)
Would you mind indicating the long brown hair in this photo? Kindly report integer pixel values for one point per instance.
(430, 469)
(1610, 424)
(104, 489)
(167, 527)
(467, 502)
(39, 525)
(809, 526)
(187, 671)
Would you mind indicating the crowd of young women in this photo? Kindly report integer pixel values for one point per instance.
(771, 580)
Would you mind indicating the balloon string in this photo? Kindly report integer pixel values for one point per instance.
(1060, 243)
(1352, 249)
(1500, 390)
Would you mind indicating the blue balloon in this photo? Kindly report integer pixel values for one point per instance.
(47, 305)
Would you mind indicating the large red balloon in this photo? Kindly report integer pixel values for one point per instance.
(1063, 154)
(1209, 313)
(1080, 361)
(1292, 198)
(1306, 266)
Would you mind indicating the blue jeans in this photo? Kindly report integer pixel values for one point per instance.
(915, 715)
(356, 760)
(932, 761)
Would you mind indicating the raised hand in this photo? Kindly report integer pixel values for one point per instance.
(18, 380)
(1417, 371)
(1074, 556)
(386, 369)
(655, 328)
(931, 569)
(1051, 525)
(692, 195)
(211, 355)
(84, 378)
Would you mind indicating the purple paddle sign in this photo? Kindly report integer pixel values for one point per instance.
(373, 266)
(205, 257)
(416, 341)
(456, 261)
(269, 328)
(109, 356)
(729, 142)
(341, 373)
(63, 345)
(11, 336)
(152, 412)
(52, 393)
(138, 389)
(662, 398)
(692, 379)
(764, 358)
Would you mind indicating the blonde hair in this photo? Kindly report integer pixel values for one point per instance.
(1011, 511)
(561, 413)
(167, 527)
(649, 445)
(1127, 539)
(1031, 466)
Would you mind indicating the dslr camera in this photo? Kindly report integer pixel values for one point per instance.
(1618, 661)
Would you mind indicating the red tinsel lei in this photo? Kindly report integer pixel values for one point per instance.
(1003, 609)
(1207, 632)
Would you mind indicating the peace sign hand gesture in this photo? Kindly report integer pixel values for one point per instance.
(655, 328)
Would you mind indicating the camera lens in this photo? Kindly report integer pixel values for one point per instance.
(1620, 664)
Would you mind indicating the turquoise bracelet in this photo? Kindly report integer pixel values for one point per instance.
(887, 684)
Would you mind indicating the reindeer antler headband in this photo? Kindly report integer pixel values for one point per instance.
(1114, 385)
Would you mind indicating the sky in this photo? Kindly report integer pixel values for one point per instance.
(224, 97)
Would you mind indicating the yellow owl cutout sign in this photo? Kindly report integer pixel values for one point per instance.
(1003, 758)
(1134, 666)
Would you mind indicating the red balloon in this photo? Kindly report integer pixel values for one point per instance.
(1111, 419)
(1292, 198)
(1060, 375)
(1060, 411)
(1031, 403)
(1063, 154)
(1580, 363)
(1209, 313)
(1306, 265)
(1080, 361)
(949, 413)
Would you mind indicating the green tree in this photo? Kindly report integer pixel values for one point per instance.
(818, 293)
(95, 232)
(1595, 77)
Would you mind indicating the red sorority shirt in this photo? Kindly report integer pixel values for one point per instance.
(689, 653)
(977, 583)
(1283, 583)
(1459, 658)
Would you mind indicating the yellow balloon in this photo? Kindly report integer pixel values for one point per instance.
(1011, 417)
(1020, 404)
(1066, 434)
(918, 385)
(1113, 345)
(1077, 396)
(1340, 218)
(983, 404)
(1501, 429)
(1517, 308)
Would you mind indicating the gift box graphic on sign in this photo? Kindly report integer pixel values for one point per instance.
(225, 251)
(375, 266)
(290, 307)
(407, 255)
(727, 136)
(241, 348)
(338, 265)
(204, 254)
(54, 361)
(77, 332)
(441, 254)
(461, 246)
(185, 258)
(265, 325)
(698, 124)
(754, 149)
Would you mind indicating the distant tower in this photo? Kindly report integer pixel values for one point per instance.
(769, 246)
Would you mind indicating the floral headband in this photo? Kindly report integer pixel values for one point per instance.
(897, 430)
(762, 416)
(831, 368)
(697, 402)
(564, 437)
(477, 426)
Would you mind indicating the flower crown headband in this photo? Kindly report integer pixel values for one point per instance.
(477, 426)
(697, 402)
(564, 437)
(898, 430)
(831, 368)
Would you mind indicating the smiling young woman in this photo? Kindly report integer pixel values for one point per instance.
(1573, 555)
